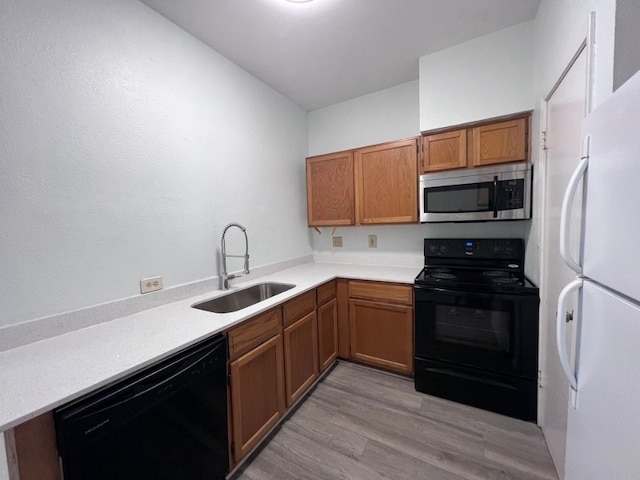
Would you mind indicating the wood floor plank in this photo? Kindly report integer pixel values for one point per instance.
(395, 391)
(360, 423)
(426, 449)
(318, 427)
(319, 460)
(394, 464)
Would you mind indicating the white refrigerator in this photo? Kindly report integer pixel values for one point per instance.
(603, 366)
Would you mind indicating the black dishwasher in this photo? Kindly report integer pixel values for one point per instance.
(167, 421)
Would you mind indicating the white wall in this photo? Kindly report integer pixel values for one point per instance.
(390, 114)
(486, 77)
(126, 145)
(383, 116)
(627, 53)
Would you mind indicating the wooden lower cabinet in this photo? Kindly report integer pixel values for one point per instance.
(257, 394)
(300, 356)
(382, 334)
(32, 450)
(327, 334)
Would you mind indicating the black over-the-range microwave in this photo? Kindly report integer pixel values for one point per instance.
(501, 192)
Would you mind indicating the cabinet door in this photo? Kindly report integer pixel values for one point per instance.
(330, 198)
(444, 151)
(387, 183)
(500, 142)
(382, 335)
(300, 356)
(257, 394)
(327, 333)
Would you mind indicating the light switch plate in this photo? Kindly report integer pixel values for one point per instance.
(373, 241)
(150, 284)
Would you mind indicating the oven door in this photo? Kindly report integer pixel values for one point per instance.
(492, 332)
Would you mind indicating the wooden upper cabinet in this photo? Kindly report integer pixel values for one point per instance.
(444, 151)
(477, 144)
(387, 183)
(500, 142)
(330, 198)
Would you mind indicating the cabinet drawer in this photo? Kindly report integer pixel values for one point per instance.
(253, 332)
(388, 292)
(298, 307)
(326, 292)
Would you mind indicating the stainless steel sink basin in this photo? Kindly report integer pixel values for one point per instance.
(243, 298)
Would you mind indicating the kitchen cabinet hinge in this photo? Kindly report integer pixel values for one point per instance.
(540, 379)
(229, 379)
(543, 139)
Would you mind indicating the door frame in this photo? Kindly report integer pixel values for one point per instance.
(589, 44)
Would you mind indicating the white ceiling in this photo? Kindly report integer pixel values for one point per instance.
(326, 51)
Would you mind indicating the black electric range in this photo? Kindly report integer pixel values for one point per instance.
(476, 325)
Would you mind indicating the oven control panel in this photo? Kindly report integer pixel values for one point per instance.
(483, 248)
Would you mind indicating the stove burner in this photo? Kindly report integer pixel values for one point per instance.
(506, 280)
(443, 275)
(495, 273)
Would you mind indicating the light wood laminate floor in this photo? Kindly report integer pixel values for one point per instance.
(360, 423)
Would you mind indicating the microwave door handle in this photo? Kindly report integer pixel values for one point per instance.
(495, 197)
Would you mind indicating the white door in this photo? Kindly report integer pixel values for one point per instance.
(603, 431)
(565, 111)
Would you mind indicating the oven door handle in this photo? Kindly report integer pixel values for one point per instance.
(432, 294)
(561, 332)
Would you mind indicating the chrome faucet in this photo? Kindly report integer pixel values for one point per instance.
(225, 277)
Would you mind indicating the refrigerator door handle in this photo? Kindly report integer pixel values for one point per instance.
(567, 204)
(561, 332)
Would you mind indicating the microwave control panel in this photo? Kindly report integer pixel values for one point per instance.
(511, 194)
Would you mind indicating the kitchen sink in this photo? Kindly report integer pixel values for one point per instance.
(243, 298)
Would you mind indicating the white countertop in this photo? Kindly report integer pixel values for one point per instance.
(40, 376)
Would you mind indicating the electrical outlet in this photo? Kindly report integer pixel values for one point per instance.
(337, 241)
(150, 284)
(373, 241)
